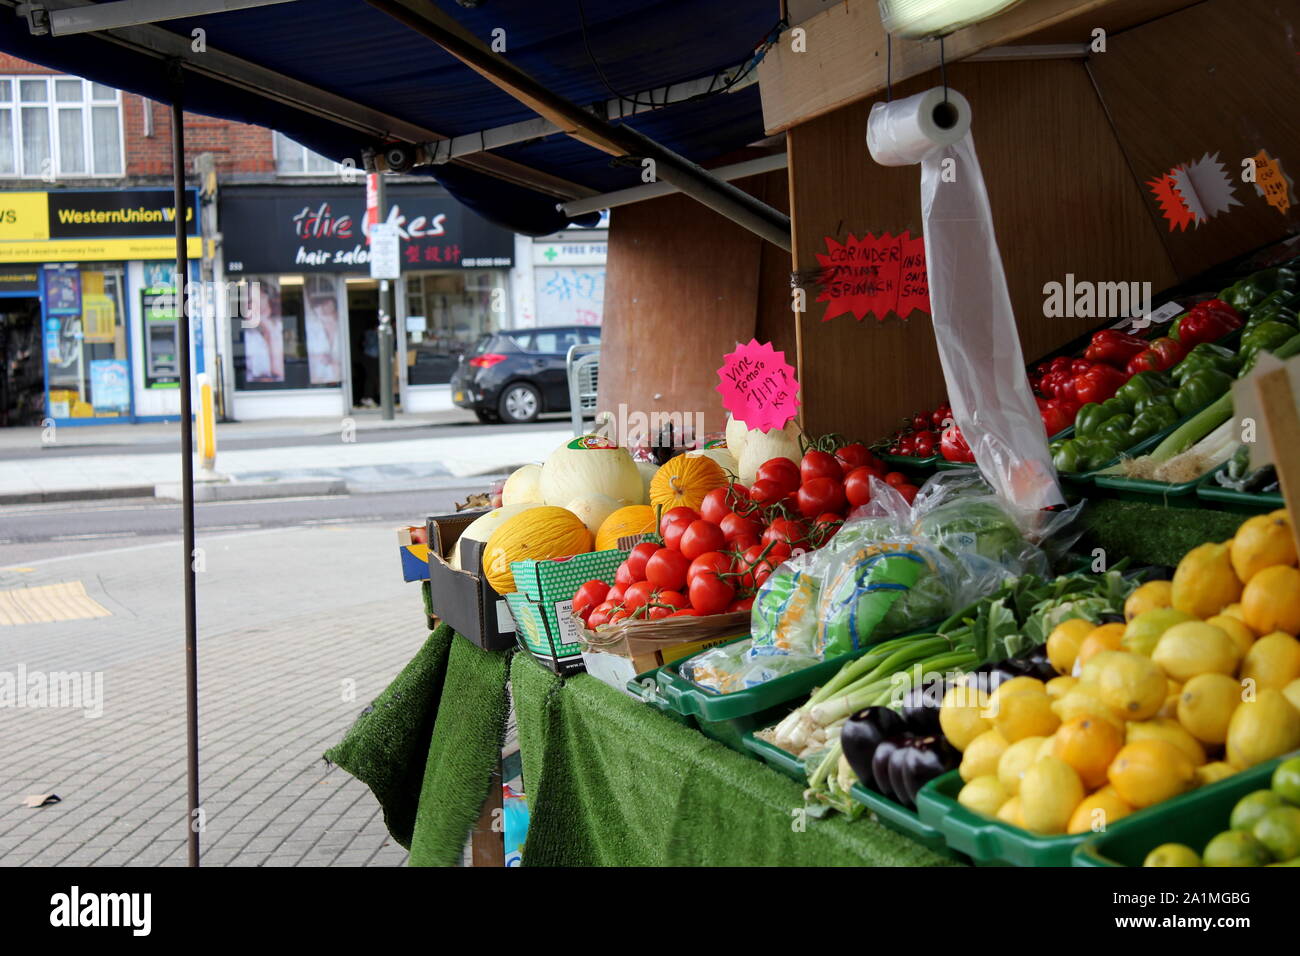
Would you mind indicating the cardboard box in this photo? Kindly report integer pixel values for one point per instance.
(543, 605)
(414, 555)
(463, 598)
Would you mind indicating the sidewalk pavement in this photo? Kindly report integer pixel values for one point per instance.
(364, 465)
(292, 647)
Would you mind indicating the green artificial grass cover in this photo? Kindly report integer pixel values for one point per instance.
(386, 747)
(1151, 533)
(466, 748)
(610, 781)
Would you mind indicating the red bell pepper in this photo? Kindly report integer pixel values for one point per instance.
(1114, 347)
(1056, 415)
(1097, 384)
(953, 446)
(1080, 365)
(1163, 354)
(1208, 322)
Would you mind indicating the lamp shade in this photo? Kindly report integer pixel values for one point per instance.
(923, 19)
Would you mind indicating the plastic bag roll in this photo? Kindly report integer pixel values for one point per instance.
(974, 325)
(902, 132)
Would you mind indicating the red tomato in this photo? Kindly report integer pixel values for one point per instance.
(896, 478)
(673, 600)
(778, 552)
(857, 486)
(588, 596)
(667, 569)
(924, 444)
(679, 515)
(734, 526)
(753, 570)
(738, 499)
(638, 595)
(600, 614)
(908, 492)
(819, 464)
(620, 614)
(710, 594)
(701, 537)
(624, 576)
(856, 455)
(615, 595)
(765, 492)
(921, 421)
(714, 507)
(685, 612)
(637, 559)
(714, 561)
(741, 604)
(782, 471)
(742, 542)
(786, 531)
(673, 532)
(820, 494)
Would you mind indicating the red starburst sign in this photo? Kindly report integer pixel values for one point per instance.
(874, 275)
(758, 386)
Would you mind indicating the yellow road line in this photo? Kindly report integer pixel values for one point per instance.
(47, 603)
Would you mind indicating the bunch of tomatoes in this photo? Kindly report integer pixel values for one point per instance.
(920, 435)
(714, 560)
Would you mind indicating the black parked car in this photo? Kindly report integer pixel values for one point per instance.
(516, 374)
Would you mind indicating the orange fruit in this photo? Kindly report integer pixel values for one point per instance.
(1104, 638)
(1088, 744)
(1149, 771)
(1271, 600)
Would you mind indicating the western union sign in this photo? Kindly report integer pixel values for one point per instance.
(94, 225)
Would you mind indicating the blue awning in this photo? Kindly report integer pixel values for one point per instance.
(350, 49)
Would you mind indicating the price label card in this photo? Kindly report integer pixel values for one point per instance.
(385, 251)
(758, 386)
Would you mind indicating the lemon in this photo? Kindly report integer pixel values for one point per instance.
(1130, 684)
(1173, 691)
(1172, 854)
(1271, 601)
(1046, 747)
(1262, 728)
(982, 755)
(1253, 806)
(984, 795)
(1206, 706)
(1098, 811)
(1194, 647)
(1235, 610)
(1104, 638)
(1235, 848)
(1153, 594)
(1088, 744)
(1272, 661)
(961, 714)
(1142, 633)
(1204, 582)
(1026, 714)
(1279, 831)
(1149, 771)
(1214, 772)
(1014, 686)
(1292, 693)
(1084, 700)
(1168, 730)
(1049, 793)
(1262, 542)
(1242, 636)
(1058, 687)
(1009, 812)
(1015, 760)
(1063, 643)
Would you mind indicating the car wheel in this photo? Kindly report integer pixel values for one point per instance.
(520, 402)
(487, 417)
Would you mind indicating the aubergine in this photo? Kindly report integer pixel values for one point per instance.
(900, 772)
(880, 761)
(862, 733)
(919, 762)
(921, 708)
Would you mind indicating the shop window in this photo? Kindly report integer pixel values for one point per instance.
(59, 126)
(446, 313)
(86, 356)
(294, 159)
(291, 336)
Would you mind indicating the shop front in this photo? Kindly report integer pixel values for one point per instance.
(88, 328)
(307, 342)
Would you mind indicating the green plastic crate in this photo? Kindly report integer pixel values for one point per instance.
(909, 462)
(1192, 819)
(1242, 502)
(1142, 489)
(646, 688)
(775, 757)
(1086, 478)
(902, 820)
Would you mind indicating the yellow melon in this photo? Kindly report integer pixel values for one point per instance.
(541, 534)
(634, 519)
(683, 481)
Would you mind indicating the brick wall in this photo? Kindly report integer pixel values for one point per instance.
(236, 147)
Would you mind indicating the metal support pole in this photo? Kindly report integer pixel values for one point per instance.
(385, 319)
(187, 460)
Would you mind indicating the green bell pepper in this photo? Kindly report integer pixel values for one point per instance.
(1066, 457)
(1142, 386)
(1200, 388)
(1152, 419)
(1092, 416)
(1115, 430)
(1206, 355)
(1257, 287)
(1263, 338)
(1164, 398)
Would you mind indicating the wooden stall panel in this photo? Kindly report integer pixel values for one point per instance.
(1063, 200)
(1218, 80)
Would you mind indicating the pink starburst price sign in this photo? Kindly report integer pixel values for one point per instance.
(758, 386)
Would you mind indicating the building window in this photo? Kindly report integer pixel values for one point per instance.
(59, 126)
(446, 313)
(294, 159)
(291, 335)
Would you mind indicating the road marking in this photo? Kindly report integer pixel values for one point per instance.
(47, 603)
(227, 527)
(93, 535)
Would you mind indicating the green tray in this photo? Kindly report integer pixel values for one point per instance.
(1143, 489)
(780, 760)
(645, 687)
(1145, 445)
(1242, 502)
(1192, 819)
(902, 820)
